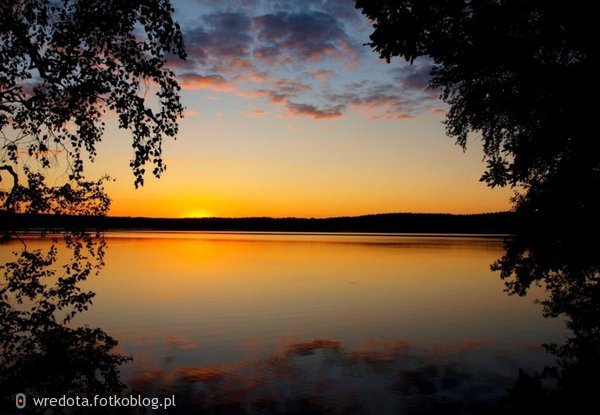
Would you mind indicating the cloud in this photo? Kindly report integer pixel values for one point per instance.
(314, 112)
(399, 99)
(290, 86)
(415, 78)
(299, 56)
(197, 44)
(274, 97)
(322, 74)
(215, 82)
(286, 90)
(289, 90)
(305, 36)
(272, 38)
(386, 106)
(341, 9)
(256, 112)
(190, 113)
(222, 35)
(230, 33)
(241, 69)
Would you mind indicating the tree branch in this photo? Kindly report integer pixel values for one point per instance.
(12, 172)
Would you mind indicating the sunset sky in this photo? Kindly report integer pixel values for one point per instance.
(288, 114)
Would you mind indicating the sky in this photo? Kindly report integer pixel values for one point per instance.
(288, 113)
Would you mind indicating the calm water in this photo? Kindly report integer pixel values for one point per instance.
(284, 323)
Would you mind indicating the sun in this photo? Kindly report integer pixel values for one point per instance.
(197, 213)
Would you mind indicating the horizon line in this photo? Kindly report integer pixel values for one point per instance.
(289, 217)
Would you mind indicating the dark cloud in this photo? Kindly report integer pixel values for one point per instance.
(314, 112)
(402, 99)
(290, 86)
(286, 90)
(274, 97)
(284, 93)
(418, 79)
(305, 36)
(340, 9)
(197, 43)
(247, 46)
(301, 36)
(378, 105)
(230, 33)
(283, 90)
(267, 54)
(414, 77)
(222, 35)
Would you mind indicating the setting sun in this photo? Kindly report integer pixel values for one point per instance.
(197, 213)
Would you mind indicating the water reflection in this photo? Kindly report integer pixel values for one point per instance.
(310, 324)
(42, 353)
(567, 264)
(322, 376)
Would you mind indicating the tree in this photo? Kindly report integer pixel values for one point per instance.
(64, 64)
(520, 74)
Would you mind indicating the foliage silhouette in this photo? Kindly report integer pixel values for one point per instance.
(567, 265)
(518, 74)
(63, 66)
(42, 352)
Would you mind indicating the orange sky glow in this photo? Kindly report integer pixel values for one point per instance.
(288, 114)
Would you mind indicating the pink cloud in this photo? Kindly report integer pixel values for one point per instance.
(190, 113)
(256, 113)
(322, 74)
(196, 81)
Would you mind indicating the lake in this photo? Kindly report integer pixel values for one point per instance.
(316, 323)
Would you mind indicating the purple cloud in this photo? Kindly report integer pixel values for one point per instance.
(295, 55)
(223, 35)
(305, 36)
(314, 112)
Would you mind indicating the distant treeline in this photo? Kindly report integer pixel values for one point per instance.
(489, 223)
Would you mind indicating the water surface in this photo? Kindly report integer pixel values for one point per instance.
(316, 323)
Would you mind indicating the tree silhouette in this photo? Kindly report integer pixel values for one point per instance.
(568, 267)
(519, 74)
(63, 66)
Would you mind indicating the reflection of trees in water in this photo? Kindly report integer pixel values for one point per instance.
(54, 93)
(567, 263)
(42, 352)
